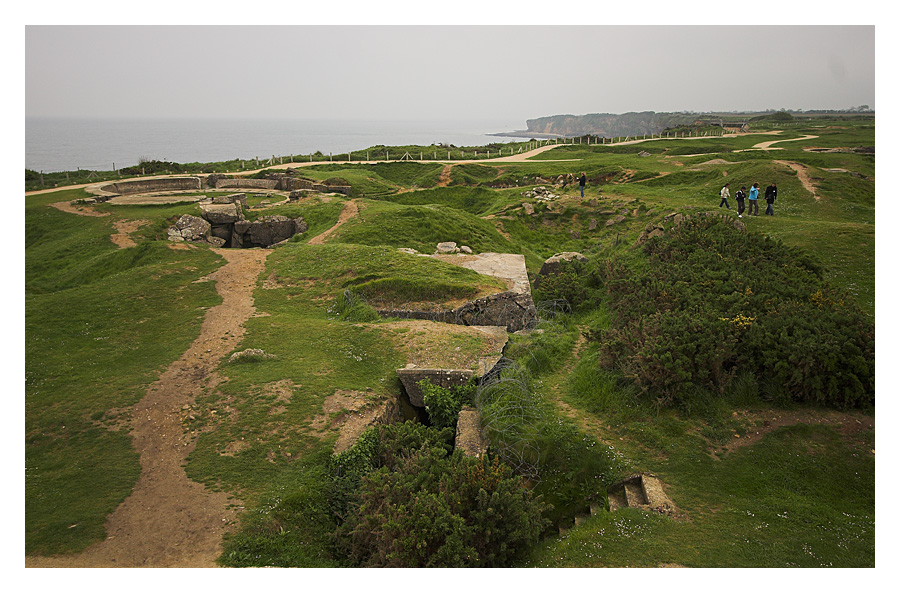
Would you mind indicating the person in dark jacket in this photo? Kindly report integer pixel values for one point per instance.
(582, 181)
(771, 193)
(739, 196)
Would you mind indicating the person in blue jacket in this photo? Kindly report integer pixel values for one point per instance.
(582, 181)
(753, 204)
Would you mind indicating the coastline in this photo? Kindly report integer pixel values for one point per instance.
(524, 134)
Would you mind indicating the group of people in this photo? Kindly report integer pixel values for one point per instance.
(753, 206)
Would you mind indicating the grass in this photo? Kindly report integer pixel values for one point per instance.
(101, 323)
(86, 362)
(801, 497)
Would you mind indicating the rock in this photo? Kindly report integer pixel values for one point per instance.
(250, 355)
(216, 241)
(592, 224)
(614, 220)
(190, 228)
(529, 209)
(300, 225)
(448, 247)
(408, 250)
(221, 213)
(557, 262)
(465, 249)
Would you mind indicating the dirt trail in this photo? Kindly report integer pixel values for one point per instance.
(351, 209)
(803, 176)
(169, 520)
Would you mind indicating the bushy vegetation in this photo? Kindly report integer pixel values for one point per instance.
(443, 404)
(415, 504)
(715, 300)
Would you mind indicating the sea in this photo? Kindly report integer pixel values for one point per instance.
(58, 144)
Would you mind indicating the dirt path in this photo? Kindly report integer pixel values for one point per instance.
(169, 520)
(351, 209)
(803, 176)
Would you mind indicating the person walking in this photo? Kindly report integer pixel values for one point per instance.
(582, 181)
(753, 205)
(725, 194)
(771, 193)
(739, 197)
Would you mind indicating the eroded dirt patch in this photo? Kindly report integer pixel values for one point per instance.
(124, 228)
(81, 210)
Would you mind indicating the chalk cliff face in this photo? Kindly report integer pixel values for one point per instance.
(608, 124)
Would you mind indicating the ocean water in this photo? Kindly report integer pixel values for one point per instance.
(105, 144)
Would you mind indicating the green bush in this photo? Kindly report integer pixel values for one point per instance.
(443, 404)
(715, 299)
(437, 510)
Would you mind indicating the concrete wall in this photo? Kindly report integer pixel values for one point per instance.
(512, 310)
(246, 183)
(142, 186)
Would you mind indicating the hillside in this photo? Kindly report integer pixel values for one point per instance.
(609, 125)
(254, 405)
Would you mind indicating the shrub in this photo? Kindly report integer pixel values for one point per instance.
(715, 299)
(443, 404)
(437, 510)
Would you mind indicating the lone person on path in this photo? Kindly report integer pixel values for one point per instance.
(753, 206)
(724, 193)
(771, 193)
(581, 183)
(739, 196)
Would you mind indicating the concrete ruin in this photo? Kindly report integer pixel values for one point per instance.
(222, 224)
(470, 438)
(642, 491)
(513, 309)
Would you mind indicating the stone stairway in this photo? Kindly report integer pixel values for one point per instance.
(643, 491)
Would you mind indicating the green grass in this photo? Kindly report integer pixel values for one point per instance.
(419, 227)
(101, 323)
(801, 497)
(99, 328)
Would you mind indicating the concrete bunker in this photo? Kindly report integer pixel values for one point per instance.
(222, 224)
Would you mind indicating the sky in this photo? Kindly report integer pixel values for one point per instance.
(431, 72)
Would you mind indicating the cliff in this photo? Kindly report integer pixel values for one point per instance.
(609, 124)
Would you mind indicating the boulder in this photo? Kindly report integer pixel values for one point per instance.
(191, 228)
(221, 213)
(556, 263)
(448, 247)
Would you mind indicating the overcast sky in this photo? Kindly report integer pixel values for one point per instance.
(441, 72)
